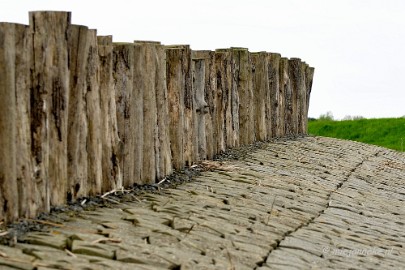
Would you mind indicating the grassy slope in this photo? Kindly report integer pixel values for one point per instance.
(386, 132)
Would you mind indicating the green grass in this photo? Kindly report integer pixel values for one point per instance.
(386, 132)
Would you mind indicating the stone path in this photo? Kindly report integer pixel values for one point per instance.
(309, 203)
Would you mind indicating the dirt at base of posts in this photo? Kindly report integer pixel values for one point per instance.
(64, 213)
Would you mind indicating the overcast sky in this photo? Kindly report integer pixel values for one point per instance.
(356, 46)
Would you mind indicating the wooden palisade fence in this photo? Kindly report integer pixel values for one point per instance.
(81, 115)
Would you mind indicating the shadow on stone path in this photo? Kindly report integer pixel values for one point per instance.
(309, 203)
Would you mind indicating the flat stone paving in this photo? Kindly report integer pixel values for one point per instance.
(308, 203)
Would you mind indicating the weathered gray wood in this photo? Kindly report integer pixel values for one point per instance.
(87, 117)
(23, 63)
(175, 90)
(229, 89)
(234, 97)
(164, 156)
(276, 112)
(50, 105)
(190, 155)
(94, 116)
(77, 119)
(260, 93)
(295, 82)
(145, 75)
(301, 101)
(123, 72)
(309, 76)
(221, 63)
(8, 116)
(138, 116)
(245, 90)
(156, 81)
(209, 98)
(111, 172)
(200, 105)
(285, 96)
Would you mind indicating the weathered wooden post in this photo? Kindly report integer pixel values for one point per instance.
(95, 142)
(189, 107)
(145, 83)
(228, 88)
(123, 73)
(144, 79)
(49, 106)
(175, 91)
(200, 105)
(8, 115)
(164, 156)
(261, 93)
(301, 100)
(295, 79)
(309, 76)
(77, 119)
(221, 92)
(245, 90)
(23, 63)
(179, 87)
(233, 96)
(209, 98)
(274, 111)
(285, 96)
(111, 172)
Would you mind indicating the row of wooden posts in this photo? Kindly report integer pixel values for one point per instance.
(81, 115)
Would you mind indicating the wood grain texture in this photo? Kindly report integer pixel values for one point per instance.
(245, 91)
(23, 85)
(8, 116)
(50, 105)
(286, 98)
(276, 96)
(81, 115)
(123, 73)
(209, 97)
(110, 143)
(261, 94)
(77, 119)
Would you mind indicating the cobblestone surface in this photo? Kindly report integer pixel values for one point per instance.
(309, 203)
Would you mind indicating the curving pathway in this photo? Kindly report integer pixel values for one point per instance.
(308, 203)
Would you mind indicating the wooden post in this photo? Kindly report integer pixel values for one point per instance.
(8, 185)
(190, 131)
(23, 63)
(233, 96)
(145, 78)
(285, 97)
(50, 106)
(200, 105)
(156, 77)
(245, 90)
(123, 72)
(295, 79)
(230, 99)
(222, 79)
(164, 157)
(302, 103)
(309, 76)
(110, 143)
(209, 98)
(77, 120)
(277, 104)
(176, 93)
(260, 93)
(94, 115)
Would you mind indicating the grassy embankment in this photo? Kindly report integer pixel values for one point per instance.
(386, 132)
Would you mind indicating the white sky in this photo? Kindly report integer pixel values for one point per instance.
(356, 46)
